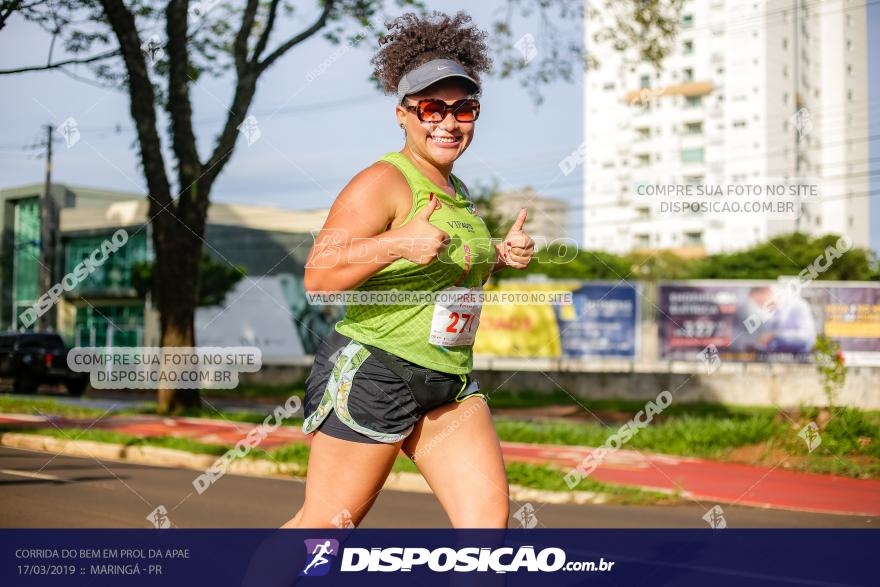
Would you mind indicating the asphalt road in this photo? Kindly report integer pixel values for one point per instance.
(41, 490)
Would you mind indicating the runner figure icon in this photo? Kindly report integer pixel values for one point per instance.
(321, 549)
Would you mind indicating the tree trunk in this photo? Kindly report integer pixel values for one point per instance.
(176, 272)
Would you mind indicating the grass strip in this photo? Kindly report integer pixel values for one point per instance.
(524, 474)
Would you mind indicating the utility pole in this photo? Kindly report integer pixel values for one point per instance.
(47, 236)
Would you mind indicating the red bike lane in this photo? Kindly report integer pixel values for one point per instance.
(705, 481)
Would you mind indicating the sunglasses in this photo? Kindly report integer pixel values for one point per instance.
(435, 110)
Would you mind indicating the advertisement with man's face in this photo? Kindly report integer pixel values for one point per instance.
(767, 321)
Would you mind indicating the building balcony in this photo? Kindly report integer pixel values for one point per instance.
(690, 89)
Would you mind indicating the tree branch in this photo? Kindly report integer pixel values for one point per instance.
(178, 105)
(299, 38)
(264, 37)
(240, 47)
(6, 10)
(57, 64)
(143, 101)
(245, 88)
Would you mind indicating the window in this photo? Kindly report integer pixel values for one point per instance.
(688, 48)
(739, 124)
(645, 81)
(116, 272)
(693, 101)
(644, 133)
(693, 179)
(643, 160)
(785, 43)
(609, 86)
(688, 74)
(643, 212)
(687, 21)
(693, 239)
(693, 128)
(692, 155)
(643, 240)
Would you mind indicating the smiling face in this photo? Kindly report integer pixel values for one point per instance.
(441, 143)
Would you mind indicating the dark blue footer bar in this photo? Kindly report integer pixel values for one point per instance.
(268, 558)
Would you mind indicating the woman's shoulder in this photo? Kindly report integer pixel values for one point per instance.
(380, 176)
(378, 188)
(379, 180)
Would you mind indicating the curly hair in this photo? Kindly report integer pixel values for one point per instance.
(412, 41)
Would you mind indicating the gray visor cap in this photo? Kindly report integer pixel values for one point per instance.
(431, 72)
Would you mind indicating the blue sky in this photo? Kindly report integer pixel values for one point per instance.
(315, 134)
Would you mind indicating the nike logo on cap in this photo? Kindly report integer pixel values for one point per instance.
(444, 67)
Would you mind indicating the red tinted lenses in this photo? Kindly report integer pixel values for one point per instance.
(434, 110)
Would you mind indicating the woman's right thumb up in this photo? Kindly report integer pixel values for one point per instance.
(433, 204)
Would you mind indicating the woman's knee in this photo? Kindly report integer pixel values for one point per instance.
(493, 514)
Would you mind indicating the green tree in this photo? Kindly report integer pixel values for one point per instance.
(788, 254)
(662, 265)
(556, 261)
(216, 280)
(831, 367)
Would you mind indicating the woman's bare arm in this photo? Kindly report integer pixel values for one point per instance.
(357, 239)
(360, 213)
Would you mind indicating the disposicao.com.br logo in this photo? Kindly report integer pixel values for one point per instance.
(321, 553)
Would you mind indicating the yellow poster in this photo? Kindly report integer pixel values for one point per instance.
(520, 330)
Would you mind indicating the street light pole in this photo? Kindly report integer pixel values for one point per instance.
(47, 235)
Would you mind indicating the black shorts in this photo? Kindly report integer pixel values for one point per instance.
(361, 393)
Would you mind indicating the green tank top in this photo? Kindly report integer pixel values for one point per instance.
(406, 330)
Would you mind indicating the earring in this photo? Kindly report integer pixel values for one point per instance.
(401, 125)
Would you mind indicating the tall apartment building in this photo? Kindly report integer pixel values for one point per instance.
(755, 92)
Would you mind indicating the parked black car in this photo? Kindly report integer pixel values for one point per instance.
(34, 358)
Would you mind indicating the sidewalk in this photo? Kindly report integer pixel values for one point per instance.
(707, 482)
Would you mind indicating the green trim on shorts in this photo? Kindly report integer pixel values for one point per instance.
(336, 396)
(459, 398)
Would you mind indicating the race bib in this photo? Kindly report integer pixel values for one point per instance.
(456, 317)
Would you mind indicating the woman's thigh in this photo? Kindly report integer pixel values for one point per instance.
(457, 451)
(344, 478)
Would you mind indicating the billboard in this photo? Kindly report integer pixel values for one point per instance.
(768, 321)
(601, 321)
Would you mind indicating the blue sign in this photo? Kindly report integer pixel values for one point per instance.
(601, 322)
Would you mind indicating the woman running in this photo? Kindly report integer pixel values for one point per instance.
(399, 376)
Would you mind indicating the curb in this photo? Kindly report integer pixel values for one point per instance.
(167, 457)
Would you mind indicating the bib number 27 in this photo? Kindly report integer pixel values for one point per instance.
(455, 324)
(460, 323)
